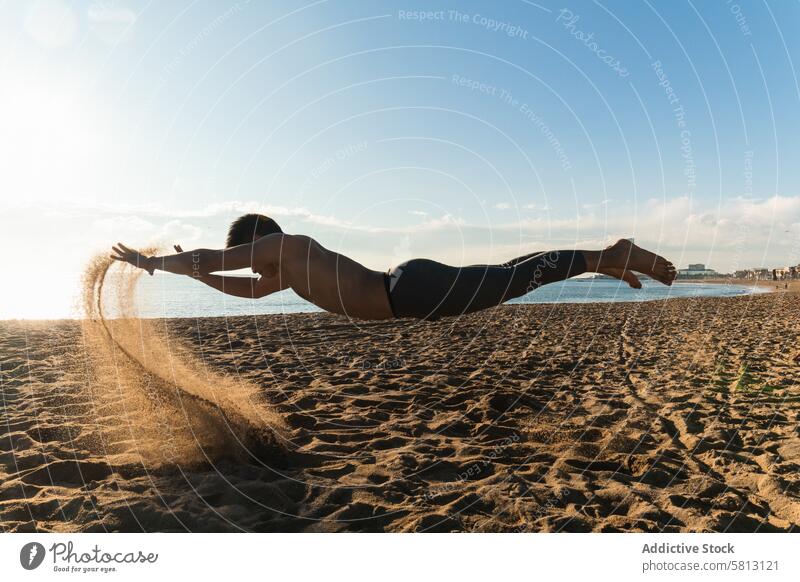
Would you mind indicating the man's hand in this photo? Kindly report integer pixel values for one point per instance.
(179, 249)
(132, 257)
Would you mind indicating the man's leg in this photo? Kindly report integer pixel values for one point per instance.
(619, 260)
(624, 256)
(513, 262)
(529, 272)
(479, 287)
(428, 290)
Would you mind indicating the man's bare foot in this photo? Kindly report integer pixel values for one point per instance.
(626, 256)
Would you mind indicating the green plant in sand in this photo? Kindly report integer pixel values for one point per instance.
(744, 380)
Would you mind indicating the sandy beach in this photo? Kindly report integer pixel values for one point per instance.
(677, 415)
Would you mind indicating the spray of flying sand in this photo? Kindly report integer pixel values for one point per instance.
(154, 400)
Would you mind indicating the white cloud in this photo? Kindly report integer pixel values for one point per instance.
(446, 221)
(178, 232)
(112, 24)
(736, 234)
(123, 225)
(600, 204)
(742, 232)
(533, 206)
(502, 206)
(51, 22)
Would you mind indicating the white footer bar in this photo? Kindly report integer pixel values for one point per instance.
(399, 557)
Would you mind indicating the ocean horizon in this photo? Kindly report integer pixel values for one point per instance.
(167, 296)
(172, 296)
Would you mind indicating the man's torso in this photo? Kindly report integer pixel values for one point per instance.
(332, 281)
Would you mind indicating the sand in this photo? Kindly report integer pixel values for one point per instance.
(677, 415)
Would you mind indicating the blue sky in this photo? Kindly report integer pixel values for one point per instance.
(462, 131)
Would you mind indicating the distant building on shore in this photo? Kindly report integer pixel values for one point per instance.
(696, 271)
(784, 273)
(776, 274)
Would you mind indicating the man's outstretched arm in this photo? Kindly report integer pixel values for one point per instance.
(247, 287)
(265, 250)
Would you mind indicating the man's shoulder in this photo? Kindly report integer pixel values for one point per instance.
(288, 243)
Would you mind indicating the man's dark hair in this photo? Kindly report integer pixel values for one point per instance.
(244, 228)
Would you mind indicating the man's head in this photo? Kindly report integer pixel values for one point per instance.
(249, 227)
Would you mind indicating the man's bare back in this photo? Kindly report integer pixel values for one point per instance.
(419, 288)
(334, 282)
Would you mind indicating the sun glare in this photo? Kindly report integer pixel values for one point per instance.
(51, 151)
(50, 139)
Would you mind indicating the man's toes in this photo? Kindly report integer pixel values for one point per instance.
(663, 270)
(631, 280)
(661, 275)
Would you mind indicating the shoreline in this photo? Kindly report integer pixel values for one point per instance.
(745, 284)
(791, 286)
(763, 286)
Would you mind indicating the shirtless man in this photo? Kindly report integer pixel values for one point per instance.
(419, 288)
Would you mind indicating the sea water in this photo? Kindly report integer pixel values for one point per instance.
(165, 295)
